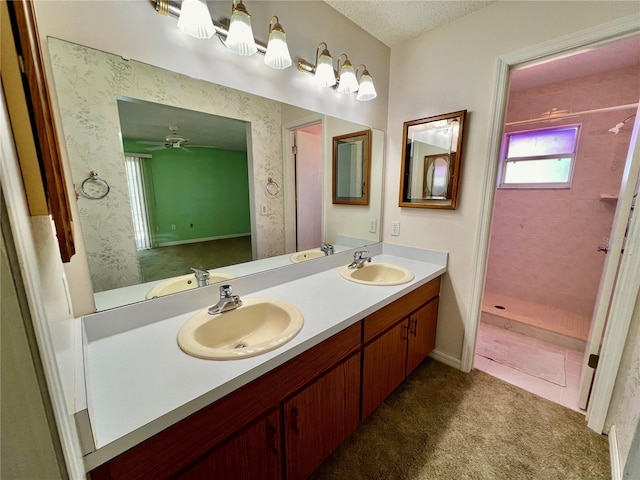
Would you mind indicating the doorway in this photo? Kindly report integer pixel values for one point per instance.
(552, 215)
(303, 179)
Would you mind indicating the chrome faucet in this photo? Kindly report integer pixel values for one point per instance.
(202, 276)
(227, 301)
(327, 248)
(359, 259)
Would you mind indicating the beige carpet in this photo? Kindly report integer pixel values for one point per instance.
(516, 351)
(445, 424)
(165, 262)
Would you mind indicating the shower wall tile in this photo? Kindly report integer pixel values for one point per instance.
(544, 242)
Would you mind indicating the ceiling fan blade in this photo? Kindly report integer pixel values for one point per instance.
(160, 147)
(203, 146)
(186, 149)
(148, 142)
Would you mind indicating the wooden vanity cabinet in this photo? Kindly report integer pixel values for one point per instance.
(287, 421)
(251, 454)
(321, 417)
(397, 338)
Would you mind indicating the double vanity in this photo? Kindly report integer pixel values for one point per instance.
(264, 390)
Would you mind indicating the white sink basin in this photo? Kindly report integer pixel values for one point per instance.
(377, 274)
(258, 326)
(182, 283)
(305, 255)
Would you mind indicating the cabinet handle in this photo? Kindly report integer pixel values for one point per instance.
(272, 438)
(405, 332)
(414, 328)
(294, 420)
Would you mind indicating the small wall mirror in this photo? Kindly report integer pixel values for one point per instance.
(431, 159)
(351, 166)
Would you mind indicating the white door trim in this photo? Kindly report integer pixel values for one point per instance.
(289, 178)
(622, 303)
(615, 29)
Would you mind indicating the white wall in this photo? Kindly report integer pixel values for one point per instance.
(453, 68)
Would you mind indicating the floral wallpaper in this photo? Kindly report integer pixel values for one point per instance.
(87, 84)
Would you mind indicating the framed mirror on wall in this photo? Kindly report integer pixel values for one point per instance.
(431, 161)
(351, 167)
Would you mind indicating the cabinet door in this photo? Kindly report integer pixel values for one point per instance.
(320, 417)
(250, 455)
(422, 334)
(384, 366)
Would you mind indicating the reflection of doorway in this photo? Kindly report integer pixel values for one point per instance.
(303, 177)
(595, 200)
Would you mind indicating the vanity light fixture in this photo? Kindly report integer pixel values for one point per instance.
(277, 55)
(240, 37)
(195, 19)
(366, 90)
(324, 75)
(348, 83)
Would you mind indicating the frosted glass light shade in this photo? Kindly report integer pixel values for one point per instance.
(325, 76)
(195, 19)
(366, 91)
(240, 38)
(277, 55)
(348, 81)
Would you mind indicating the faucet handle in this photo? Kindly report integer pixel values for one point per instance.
(357, 255)
(226, 291)
(200, 274)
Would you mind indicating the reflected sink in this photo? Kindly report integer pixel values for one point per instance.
(182, 283)
(305, 255)
(377, 274)
(258, 326)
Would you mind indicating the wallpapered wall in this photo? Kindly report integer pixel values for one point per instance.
(88, 83)
(544, 241)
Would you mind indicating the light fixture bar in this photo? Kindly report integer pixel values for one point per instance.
(172, 8)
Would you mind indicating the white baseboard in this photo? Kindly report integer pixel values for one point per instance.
(446, 359)
(616, 471)
(196, 240)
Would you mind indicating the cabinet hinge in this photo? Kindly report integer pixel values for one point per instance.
(294, 149)
(593, 361)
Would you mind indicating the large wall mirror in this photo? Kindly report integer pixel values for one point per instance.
(197, 174)
(431, 161)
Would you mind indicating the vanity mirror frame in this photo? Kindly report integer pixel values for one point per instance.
(455, 162)
(365, 162)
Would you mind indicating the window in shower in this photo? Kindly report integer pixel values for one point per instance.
(539, 158)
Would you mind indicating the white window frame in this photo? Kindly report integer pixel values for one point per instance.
(539, 185)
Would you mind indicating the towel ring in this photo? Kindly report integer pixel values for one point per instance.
(272, 187)
(94, 187)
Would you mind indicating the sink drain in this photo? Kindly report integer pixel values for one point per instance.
(240, 345)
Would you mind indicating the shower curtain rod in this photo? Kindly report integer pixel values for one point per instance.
(576, 114)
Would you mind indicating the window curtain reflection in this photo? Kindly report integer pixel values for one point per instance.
(137, 181)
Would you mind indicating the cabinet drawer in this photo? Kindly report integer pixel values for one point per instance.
(386, 317)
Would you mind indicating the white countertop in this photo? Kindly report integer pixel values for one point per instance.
(139, 382)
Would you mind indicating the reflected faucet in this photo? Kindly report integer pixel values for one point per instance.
(359, 259)
(202, 276)
(327, 248)
(227, 301)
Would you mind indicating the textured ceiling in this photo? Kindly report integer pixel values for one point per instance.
(396, 21)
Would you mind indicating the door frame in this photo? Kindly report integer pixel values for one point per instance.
(289, 176)
(599, 34)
